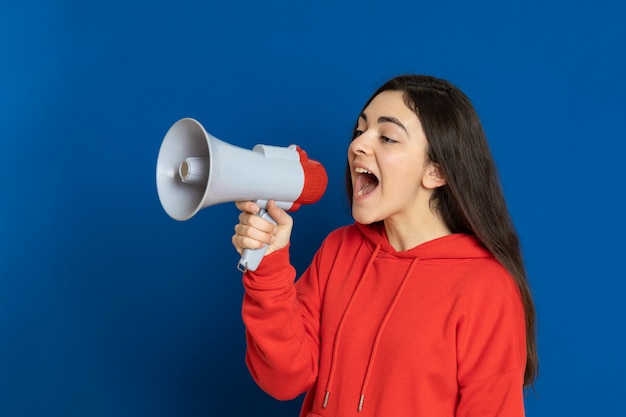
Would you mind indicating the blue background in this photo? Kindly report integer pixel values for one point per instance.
(108, 307)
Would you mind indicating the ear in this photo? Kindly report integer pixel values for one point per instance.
(433, 176)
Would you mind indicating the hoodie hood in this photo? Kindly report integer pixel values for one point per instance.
(453, 246)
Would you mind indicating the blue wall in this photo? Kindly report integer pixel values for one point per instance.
(110, 308)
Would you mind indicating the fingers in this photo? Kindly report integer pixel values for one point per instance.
(254, 232)
(246, 237)
(248, 206)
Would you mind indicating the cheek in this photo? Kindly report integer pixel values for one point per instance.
(403, 173)
(401, 166)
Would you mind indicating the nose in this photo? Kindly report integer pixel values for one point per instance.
(359, 145)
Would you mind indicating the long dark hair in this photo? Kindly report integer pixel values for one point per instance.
(471, 201)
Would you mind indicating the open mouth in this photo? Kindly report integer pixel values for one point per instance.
(364, 182)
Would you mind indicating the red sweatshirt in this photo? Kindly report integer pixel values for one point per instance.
(435, 331)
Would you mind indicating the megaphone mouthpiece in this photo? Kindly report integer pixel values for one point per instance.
(315, 180)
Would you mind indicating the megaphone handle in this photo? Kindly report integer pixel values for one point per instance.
(251, 258)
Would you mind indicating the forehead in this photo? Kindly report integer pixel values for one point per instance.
(390, 103)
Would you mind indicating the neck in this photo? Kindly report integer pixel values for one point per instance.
(405, 234)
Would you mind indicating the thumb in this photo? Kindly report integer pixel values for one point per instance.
(284, 224)
(281, 217)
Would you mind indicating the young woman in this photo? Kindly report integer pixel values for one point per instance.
(419, 308)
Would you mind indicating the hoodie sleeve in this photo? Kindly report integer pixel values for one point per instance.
(282, 322)
(491, 347)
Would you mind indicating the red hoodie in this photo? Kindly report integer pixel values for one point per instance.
(435, 331)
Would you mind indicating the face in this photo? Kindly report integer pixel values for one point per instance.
(391, 176)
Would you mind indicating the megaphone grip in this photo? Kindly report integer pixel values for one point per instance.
(251, 258)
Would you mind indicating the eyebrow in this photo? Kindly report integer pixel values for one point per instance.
(387, 119)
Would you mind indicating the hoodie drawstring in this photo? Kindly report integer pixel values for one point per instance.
(379, 333)
(341, 323)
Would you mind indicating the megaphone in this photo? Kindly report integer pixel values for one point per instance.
(196, 170)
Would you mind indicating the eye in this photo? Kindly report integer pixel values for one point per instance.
(386, 139)
(356, 133)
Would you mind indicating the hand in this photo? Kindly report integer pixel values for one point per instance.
(253, 232)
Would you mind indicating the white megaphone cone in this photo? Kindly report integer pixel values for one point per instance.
(196, 170)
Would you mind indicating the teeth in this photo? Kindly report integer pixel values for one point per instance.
(366, 184)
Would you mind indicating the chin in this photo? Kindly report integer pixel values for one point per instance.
(360, 216)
